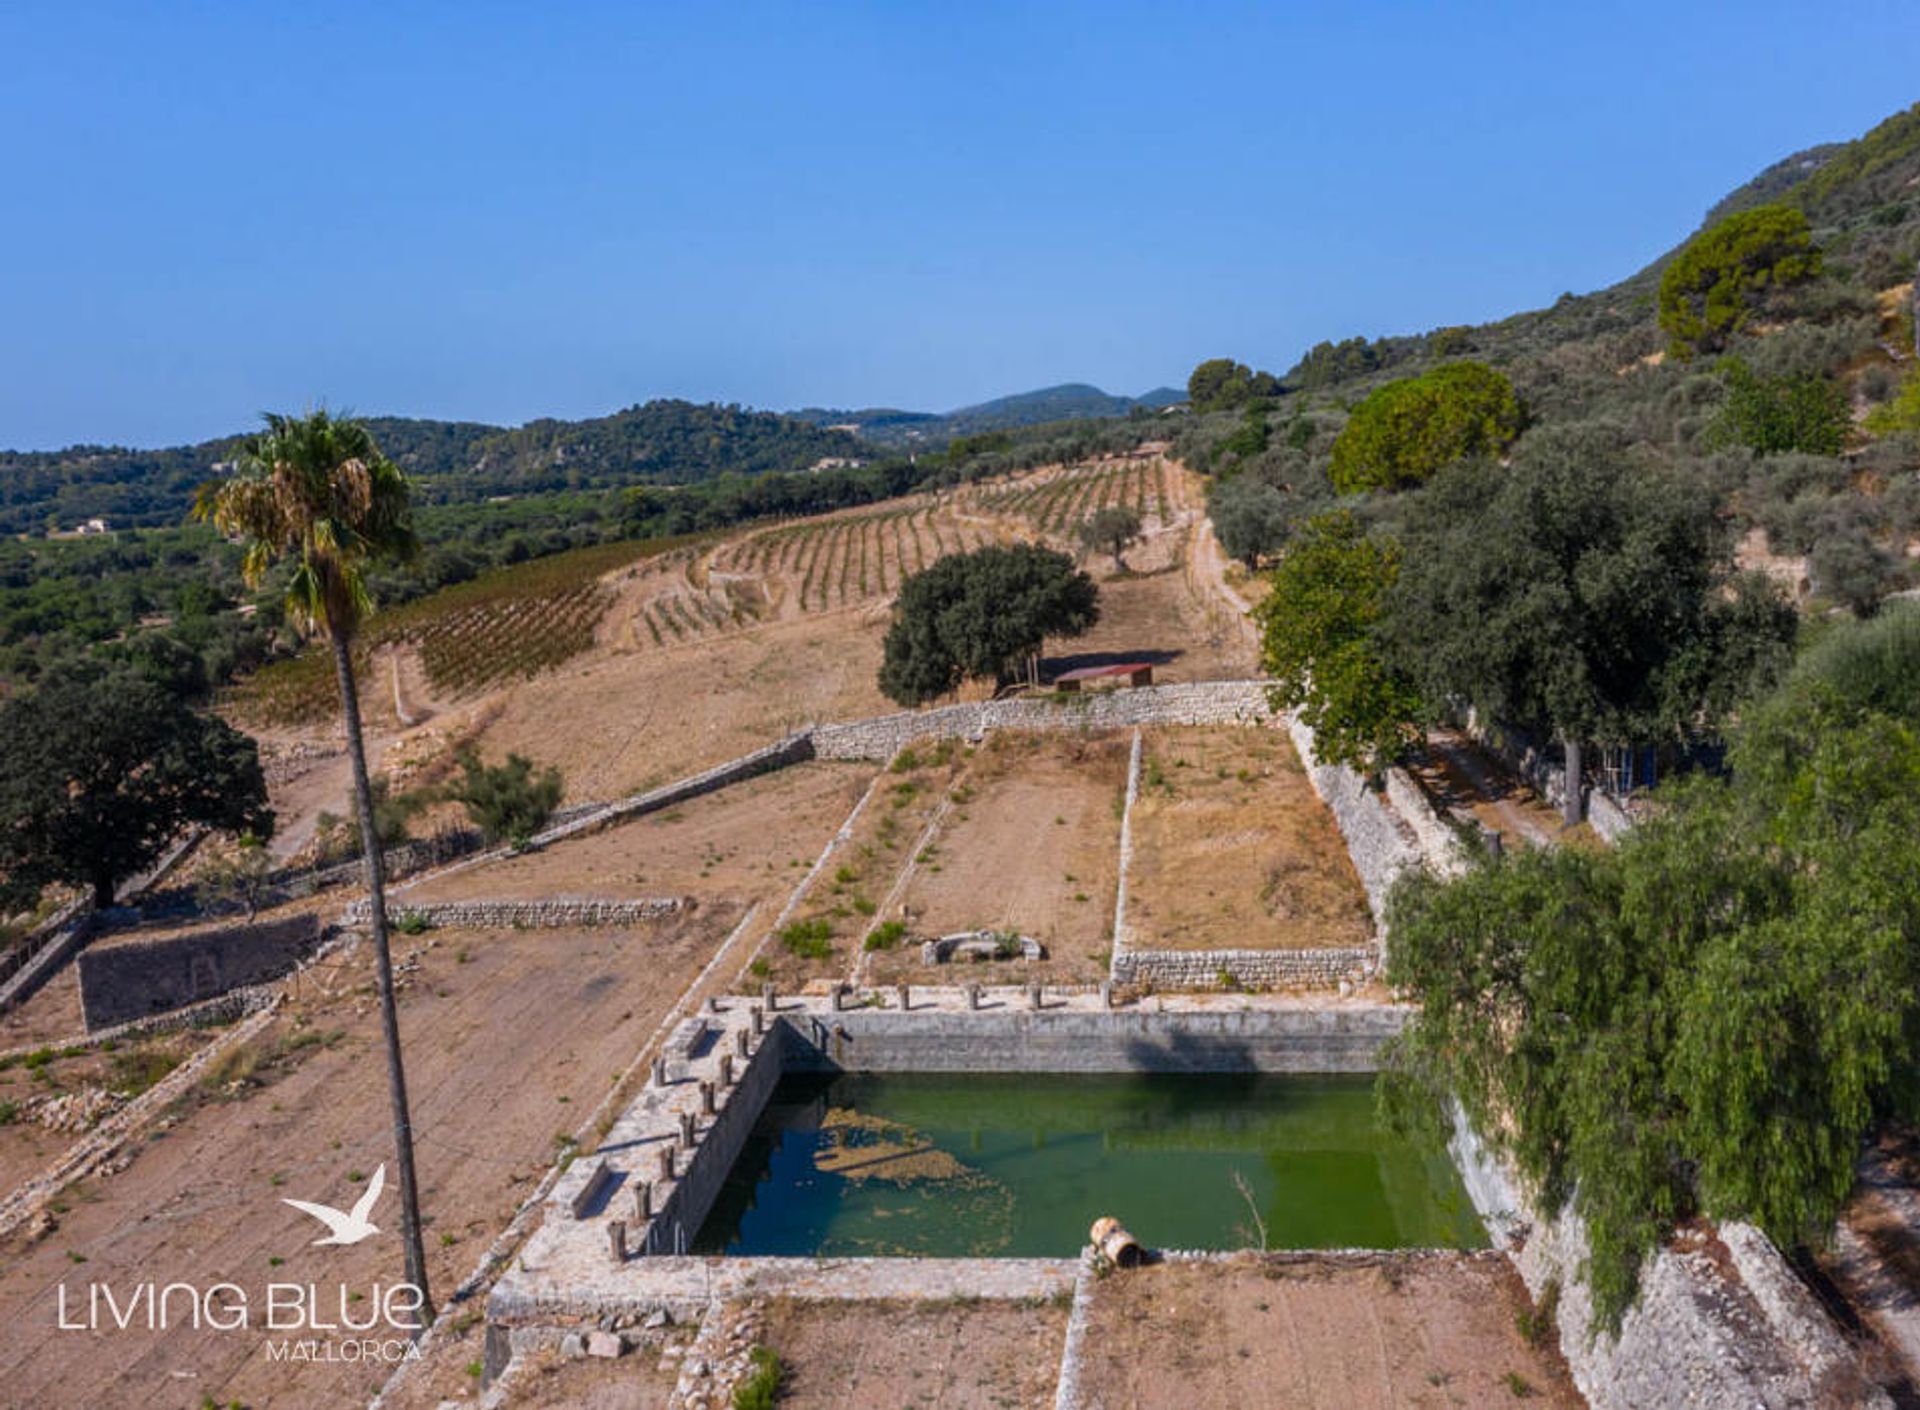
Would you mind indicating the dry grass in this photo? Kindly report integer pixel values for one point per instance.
(1396, 1330)
(1234, 850)
(1030, 844)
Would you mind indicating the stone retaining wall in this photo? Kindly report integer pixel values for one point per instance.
(1247, 969)
(794, 749)
(1192, 703)
(524, 915)
(1383, 846)
(1437, 841)
(1721, 1329)
(123, 983)
(1010, 1038)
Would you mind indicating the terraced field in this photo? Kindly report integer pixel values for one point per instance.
(518, 623)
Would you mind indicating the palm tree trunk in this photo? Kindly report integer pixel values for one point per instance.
(375, 863)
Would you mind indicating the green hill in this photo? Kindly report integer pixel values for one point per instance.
(662, 442)
(1843, 498)
(1071, 401)
(452, 462)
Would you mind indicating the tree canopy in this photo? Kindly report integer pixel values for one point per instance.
(1250, 516)
(1221, 384)
(1724, 274)
(101, 769)
(1406, 430)
(1577, 593)
(1318, 632)
(508, 802)
(976, 616)
(1708, 1018)
(1111, 530)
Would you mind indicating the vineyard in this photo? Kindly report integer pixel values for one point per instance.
(509, 624)
(1056, 504)
(519, 622)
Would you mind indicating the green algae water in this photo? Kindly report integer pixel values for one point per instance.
(977, 1166)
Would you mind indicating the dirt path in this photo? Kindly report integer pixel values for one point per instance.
(1465, 778)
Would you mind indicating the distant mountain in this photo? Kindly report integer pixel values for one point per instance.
(1071, 401)
(657, 443)
(661, 442)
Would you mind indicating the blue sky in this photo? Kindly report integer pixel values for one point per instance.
(497, 212)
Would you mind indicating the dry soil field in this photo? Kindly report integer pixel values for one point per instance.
(497, 1080)
(1384, 1331)
(1232, 849)
(1031, 845)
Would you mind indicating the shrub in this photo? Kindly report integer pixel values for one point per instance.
(809, 939)
(1406, 430)
(508, 802)
(1851, 569)
(1769, 415)
(761, 1389)
(1902, 413)
(886, 935)
(1870, 665)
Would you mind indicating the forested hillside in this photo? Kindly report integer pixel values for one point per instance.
(1073, 401)
(1769, 357)
(662, 442)
(451, 462)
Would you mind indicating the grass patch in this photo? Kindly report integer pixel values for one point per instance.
(886, 935)
(133, 1073)
(809, 939)
(1536, 1324)
(237, 1064)
(761, 1389)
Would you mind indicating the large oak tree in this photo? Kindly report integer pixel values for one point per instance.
(1581, 595)
(101, 769)
(977, 616)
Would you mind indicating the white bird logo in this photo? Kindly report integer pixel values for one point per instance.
(351, 1227)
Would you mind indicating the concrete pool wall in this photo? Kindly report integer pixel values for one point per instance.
(1713, 1331)
(732, 1058)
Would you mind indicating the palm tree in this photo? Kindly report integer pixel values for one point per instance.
(318, 491)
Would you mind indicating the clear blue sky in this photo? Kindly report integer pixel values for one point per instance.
(497, 212)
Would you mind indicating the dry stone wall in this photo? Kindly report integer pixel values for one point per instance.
(123, 983)
(794, 749)
(1247, 969)
(524, 915)
(1384, 847)
(1192, 703)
